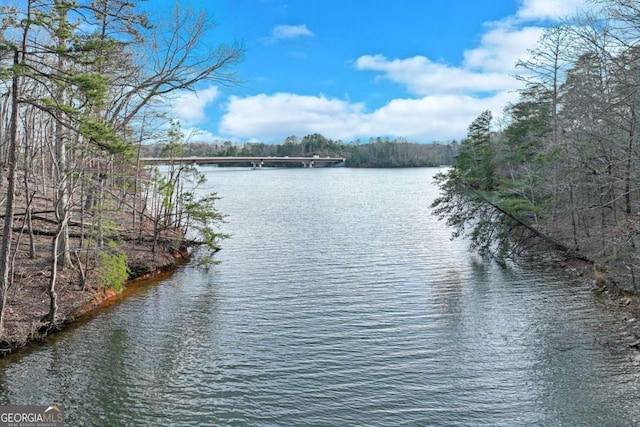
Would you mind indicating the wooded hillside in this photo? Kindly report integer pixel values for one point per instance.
(565, 170)
(80, 86)
(377, 152)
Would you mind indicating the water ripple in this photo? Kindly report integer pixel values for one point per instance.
(339, 301)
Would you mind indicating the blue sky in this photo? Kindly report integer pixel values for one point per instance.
(354, 69)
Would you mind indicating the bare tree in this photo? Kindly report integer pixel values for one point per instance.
(77, 89)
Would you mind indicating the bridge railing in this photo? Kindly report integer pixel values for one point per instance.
(257, 162)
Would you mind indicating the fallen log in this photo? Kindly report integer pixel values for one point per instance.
(32, 213)
(124, 237)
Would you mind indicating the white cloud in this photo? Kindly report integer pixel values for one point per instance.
(421, 76)
(440, 117)
(447, 97)
(501, 47)
(276, 116)
(489, 67)
(189, 107)
(532, 10)
(444, 97)
(290, 32)
(437, 117)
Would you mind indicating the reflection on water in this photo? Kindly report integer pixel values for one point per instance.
(339, 300)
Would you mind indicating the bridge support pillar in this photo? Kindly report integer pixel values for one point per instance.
(307, 164)
(257, 165)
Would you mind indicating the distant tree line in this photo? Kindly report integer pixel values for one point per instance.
(378, 152)
(565, 170)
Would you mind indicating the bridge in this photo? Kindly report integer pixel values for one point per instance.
(256, 162)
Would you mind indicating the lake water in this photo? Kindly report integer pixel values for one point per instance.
(339, 300)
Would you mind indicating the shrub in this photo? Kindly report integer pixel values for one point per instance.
(113, 270)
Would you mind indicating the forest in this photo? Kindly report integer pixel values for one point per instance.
(564, 172)
(376, 153)
(82, 85)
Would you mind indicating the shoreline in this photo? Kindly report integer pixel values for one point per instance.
(612, 294)
(144, 267)
(106, 297)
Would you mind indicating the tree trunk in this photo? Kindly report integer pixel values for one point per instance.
(5, 251)
(62, 182)
(53, 295)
